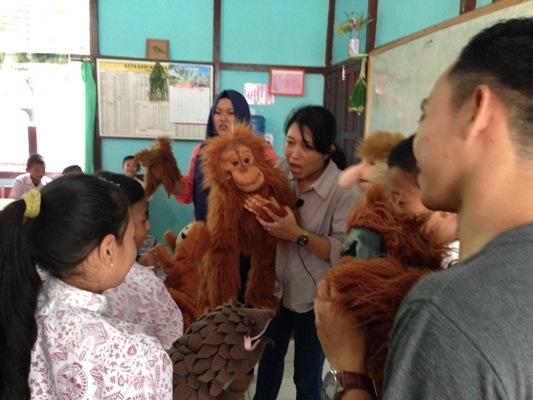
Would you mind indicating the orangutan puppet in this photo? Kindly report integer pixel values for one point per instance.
(235, 166)
(160, 165)
(373, 289)
(182, 269)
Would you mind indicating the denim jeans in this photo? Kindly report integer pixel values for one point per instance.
(308, 356)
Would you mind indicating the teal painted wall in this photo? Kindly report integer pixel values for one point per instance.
(278, 32)
(124, 25)
(254, 32)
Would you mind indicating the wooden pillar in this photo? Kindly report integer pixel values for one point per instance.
(371, 29)
(32, 139)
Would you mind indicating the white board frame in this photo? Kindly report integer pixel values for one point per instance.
(402, 73)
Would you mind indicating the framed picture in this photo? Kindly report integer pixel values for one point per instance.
(287, 81)
(157, 49)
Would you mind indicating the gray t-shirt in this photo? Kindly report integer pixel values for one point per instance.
(467, 332)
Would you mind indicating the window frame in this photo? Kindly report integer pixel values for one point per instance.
(91, 57)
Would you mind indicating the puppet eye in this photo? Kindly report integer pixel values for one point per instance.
(235, 163)
(247, 160)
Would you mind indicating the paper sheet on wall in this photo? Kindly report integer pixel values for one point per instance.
(189, 93)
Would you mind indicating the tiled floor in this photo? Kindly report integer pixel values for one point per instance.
(287, 391)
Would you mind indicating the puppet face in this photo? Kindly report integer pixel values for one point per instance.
(238, 162)
(369, 172)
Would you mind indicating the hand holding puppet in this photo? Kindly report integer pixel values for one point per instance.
(372, 290)
(222, 346)
(235, 166)
(160, 166)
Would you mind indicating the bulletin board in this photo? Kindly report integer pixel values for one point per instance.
(401, 74)
(125, 111)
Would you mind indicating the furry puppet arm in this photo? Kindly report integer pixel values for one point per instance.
(160, 165)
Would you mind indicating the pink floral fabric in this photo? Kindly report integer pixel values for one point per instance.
(143, 299)
(81, 354)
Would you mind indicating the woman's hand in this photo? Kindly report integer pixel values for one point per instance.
(342, 338)
(255, 203)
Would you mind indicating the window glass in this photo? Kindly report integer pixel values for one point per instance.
(41, 86)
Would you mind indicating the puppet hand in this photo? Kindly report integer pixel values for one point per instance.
(340, 334)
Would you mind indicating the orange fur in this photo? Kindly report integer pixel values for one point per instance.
(234, 230)
(161, 166)
(377, 146)
(183, 275)
(374, 289)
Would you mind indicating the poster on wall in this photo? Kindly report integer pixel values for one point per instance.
(125, 110)
(189, 92)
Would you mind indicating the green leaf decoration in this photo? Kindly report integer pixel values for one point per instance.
(158, 83)
(357, 100)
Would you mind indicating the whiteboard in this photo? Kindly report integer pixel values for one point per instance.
(124, 109)
(402, 73)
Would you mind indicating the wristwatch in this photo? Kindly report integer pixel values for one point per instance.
(303, 240)
(335, 382)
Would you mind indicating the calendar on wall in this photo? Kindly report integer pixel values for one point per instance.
(125, 110)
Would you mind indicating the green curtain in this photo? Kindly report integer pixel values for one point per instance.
(90, 114)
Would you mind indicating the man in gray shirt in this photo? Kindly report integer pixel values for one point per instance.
(467, 333)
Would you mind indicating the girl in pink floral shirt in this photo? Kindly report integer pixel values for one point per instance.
(55, 338)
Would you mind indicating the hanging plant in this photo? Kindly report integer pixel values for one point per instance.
(158, 83)
(357, 100)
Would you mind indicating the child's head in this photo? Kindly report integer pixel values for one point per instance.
(130, 166)
(72, 169)
(138, 202)
(36, 167)
(402, 178)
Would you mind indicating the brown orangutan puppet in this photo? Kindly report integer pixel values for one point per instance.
(372, 289)
(160, 165)
(182, 269)
(235, 166)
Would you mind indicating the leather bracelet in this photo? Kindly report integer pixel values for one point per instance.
(360, 381)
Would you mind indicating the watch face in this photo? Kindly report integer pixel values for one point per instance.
(302, 240)
(330, 386)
